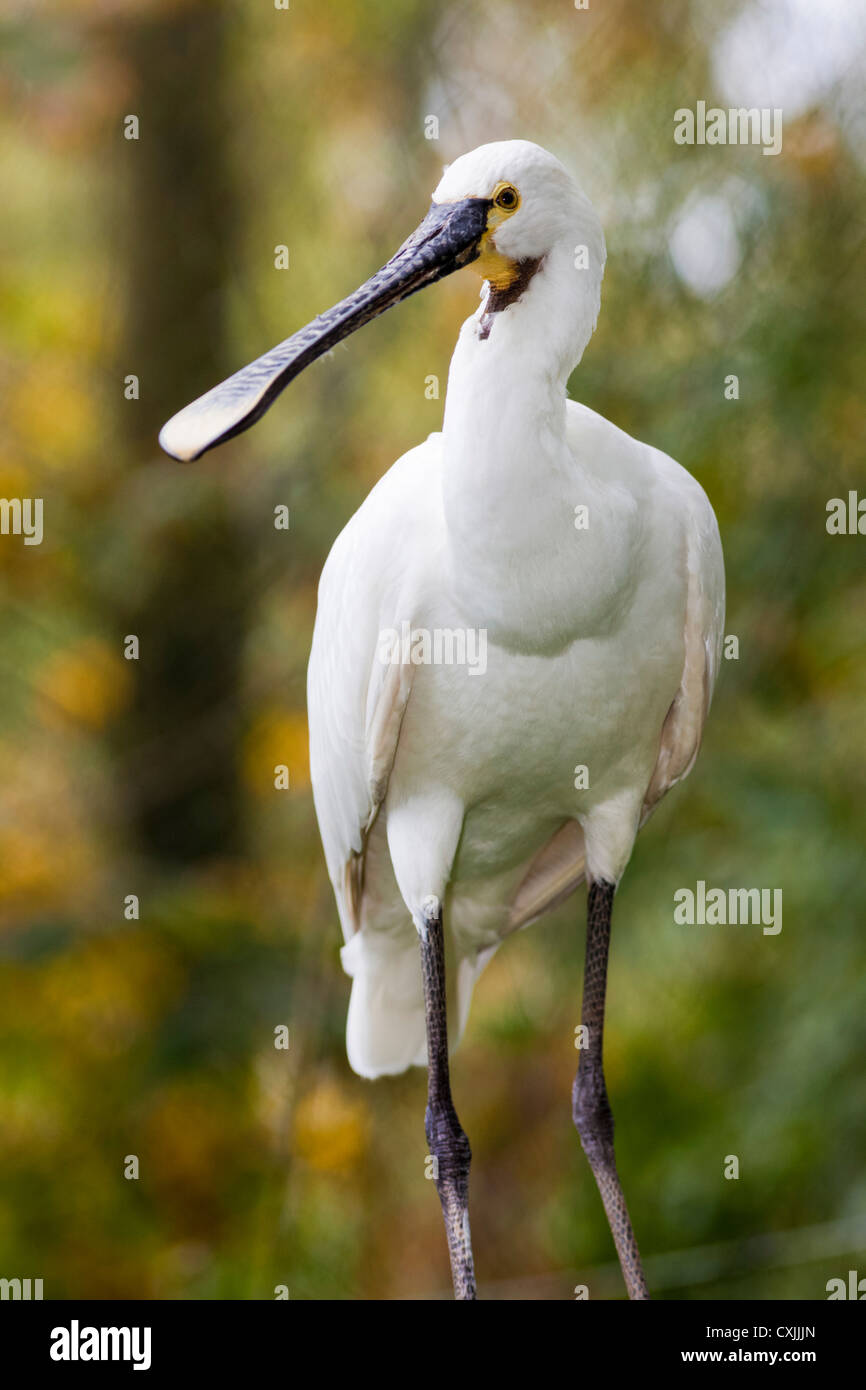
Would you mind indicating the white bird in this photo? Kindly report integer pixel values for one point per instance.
(529, 592)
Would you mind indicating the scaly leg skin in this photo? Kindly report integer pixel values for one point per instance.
(448, 1144)
(593, 1117)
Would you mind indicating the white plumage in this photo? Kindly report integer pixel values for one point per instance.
(515, 650)
(603, 643)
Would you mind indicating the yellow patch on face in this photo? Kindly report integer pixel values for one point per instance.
(492, 265)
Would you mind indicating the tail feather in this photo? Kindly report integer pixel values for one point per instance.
(386, 1028)
(468, 973)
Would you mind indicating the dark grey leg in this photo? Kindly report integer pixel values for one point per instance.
(448, 1144)
(593, 1117)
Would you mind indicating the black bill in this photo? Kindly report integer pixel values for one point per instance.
(446, 240)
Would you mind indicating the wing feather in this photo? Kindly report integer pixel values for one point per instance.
(356, 702)
(703, 635)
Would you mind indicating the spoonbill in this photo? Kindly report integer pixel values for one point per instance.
(528, 593)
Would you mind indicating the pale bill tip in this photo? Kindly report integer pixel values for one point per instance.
(172, 440)
(193, 430)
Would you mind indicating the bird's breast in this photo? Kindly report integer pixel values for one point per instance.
(533, 740)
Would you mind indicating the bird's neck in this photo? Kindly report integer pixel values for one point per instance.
(510, 480)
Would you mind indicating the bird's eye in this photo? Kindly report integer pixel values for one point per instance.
(506, 198)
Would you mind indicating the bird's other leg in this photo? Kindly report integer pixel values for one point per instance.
(449, 1146)
(593, 1117)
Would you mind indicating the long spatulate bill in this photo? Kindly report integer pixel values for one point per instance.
(446, 240)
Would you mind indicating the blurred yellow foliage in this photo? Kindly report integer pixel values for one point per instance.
(14, 480)
(189, 1125)
(87, 683)
(277, 737)
(100, 996)
(29, 864)
(330, 1129)
(52, 411)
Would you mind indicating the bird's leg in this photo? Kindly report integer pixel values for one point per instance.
(449, 1146)
(593, 1117)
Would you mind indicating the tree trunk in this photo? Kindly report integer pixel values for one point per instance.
(178, 753)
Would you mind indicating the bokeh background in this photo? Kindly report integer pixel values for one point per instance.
(154, 257)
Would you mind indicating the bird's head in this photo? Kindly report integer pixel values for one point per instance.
(531, 205)
(504, 207)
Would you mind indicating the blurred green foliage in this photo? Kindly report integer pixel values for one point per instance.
(154, 1037)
